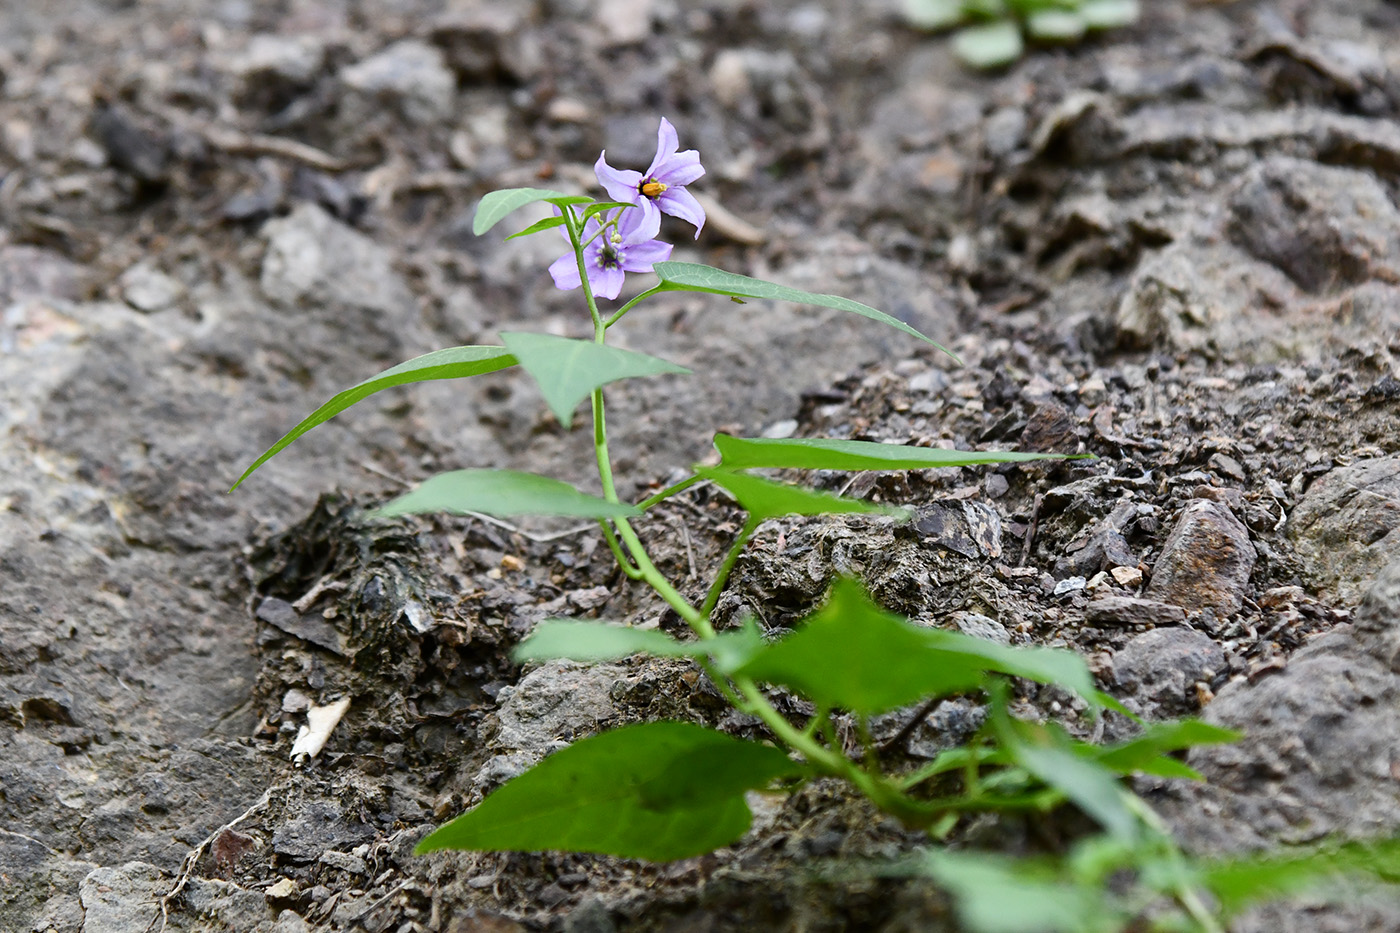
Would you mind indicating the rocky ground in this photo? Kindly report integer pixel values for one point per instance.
(1176, 247)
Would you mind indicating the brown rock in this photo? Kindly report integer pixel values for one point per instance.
(1130, 610)
(1205, 562)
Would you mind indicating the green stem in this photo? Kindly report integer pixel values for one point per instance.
(572, 225)
(668, 492)
(716, 588)
(617, 315)
(627, 566)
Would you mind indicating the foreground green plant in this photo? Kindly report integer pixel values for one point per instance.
(989, 32)
(667, 790)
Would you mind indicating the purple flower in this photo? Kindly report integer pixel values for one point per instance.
(661, 187)
(626, 244)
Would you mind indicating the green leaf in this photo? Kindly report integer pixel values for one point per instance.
(802, 453)
(1056, 25)
(603, 206)
(598, 641)
(451, 363)
(693, 277)
(1147, 754)
(765, 499)
(1047, 753)
(1109, 14)
(569, 370)
(1239, 883)
(548, 223)
(933, 14)
(569, 200)
(637, 792)
(495, 206)
(733, 649)
(992, 45)
(501, 492)
(853, 655)
(996, 894)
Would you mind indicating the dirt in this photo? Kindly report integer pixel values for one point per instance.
(1176, 247)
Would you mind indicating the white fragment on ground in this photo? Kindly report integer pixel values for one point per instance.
(320, 723)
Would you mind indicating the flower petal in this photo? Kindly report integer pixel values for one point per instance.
(565, 272)
(681, 203)
(666, 144)
(679, 169)
(639, 258)
(621, 184)
(639, 224)
(606, 281)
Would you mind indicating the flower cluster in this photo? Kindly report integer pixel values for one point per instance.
(625, 240)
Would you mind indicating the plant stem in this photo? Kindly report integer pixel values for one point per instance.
(627, 566)
(668, 492)
(617, 315)
(716, 588)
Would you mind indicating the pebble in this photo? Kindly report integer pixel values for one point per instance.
(1205, 562)
(1347, 526)
(146, 288)
(411, 74)
(1132, 611)
(1163, 666)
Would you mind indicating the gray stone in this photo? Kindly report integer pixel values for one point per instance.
(1324, 227)
(1161, 667)
(1205, 562)
(290, 59)
(146, 288)
(972, 529)
(318, 826)
(1347, 526)
(313, 257)
(121, 900)
(410, 75)
(980, 626)
(1132, 611)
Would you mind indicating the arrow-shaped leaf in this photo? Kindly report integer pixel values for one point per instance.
(693, 277)
(501, 492)
(569, 370)
(497, 205)
(765, 498)
(618, 794)
(451, 363)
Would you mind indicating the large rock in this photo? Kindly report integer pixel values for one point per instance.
(410, 75)
(1205, 562)
(312, 257)
(1347, 526)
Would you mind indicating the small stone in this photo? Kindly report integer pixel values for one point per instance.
(1163, 666)
(1205, 562)
(313, 257)
(1069, 585)
(980, 626)
(146, 288)
(1347, 526)
(1050, 429)
(411, 74)
(1127, 576)
(282, 889)
(1132, 611)
(972, 529)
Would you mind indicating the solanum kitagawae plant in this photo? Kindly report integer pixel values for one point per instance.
(667, 790)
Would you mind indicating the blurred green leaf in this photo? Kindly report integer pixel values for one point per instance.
(995, 894)
(744, 453)
(1240, 883)
(637, 792)
(853, 655)
(1056, 25)
(1047, 753)
(692, 277)
(548, 223)
(501, 492)
(765, 498)
(1109, 14)
(451, 363)
(991, 45)
(1147, 754)
(567, 371)
(597, 641)
(933, 14)
(495, 206)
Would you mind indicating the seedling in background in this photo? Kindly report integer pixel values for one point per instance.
(668, 790)
(989, 32)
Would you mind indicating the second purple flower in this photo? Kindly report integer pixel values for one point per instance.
(628, 245)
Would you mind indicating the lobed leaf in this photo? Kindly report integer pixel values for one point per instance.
(497, 205)
(693, 277)
(567, 370)
(657, 791)
(990, 45)
(804, 453)
(765, 498)
(450, 363)
(853, 655)
(1147, 754)
(501, 492)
